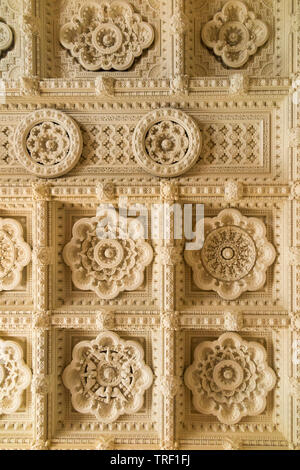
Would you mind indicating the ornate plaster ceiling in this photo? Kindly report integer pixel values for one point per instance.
(139, 342)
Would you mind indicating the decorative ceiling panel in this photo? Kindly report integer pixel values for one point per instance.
(118, 328)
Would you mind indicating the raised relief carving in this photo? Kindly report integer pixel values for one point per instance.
(230, 378)
(106, 265)
(233, 321)
(233, 191)
(48, 143)
(6, 37)
(15, 253)
(15, 376)
(29, 86)
(234, 257)
(105, 86)
(106, 443)
(106, 35)
(235, 34)
(107, 377)
(238, 84)
(167, 142)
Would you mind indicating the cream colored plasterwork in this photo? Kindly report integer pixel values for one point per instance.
(107, 377)
(138, 343)
(230, 378)
(235, 34)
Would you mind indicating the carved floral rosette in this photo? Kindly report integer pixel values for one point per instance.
(234, 257)
(235, 34)
(230, 378)
(48, 143)
(106, 35)
(6, 37)
(105, 256)
(107, 377)
(15, 376)
(167, 142)
(15, 253)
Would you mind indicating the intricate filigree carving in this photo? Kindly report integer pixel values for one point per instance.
(105, 320)
(169, 385)
(169, 191)
(170, 321)
(233, 191)
(41, 191)
(6, 37)
(105, 191)
(106, 443)
(179, 85)
(41, 320)
(105, 86)
(233, 321)
(167, 142)
(230, 378)
(239, 84)
(43, 255)
(235, 34)
(105, 265)
(40, 384)
(29, 86)
(234, 257)
(48, 143)
(107, 377)
(106, 35)
(231, 444)
(15, 376)
(15, 253)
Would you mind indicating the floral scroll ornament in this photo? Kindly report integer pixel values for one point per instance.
(234, 34)
(106, 35)
(6, 37)
(15, 376)
(15, 253)
(230, 378)
(107, 377)
(234, 257)
(105, 257)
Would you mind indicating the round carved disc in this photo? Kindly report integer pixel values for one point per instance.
(48, 143)
(6, 36)
(167, 142)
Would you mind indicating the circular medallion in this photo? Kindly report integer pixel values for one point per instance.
(108, 253)
(107, 38)
(48, 143)
(167, 142)
(7, 254)
(228, 253)
(235, 35)
(228, 375)
(6, 36)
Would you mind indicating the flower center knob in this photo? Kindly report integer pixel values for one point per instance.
(109, 373)
(228, 374)
(227, 253)
(51, 145)
(109, 253)
(166, 144)
(233, 37)
(108, 40)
